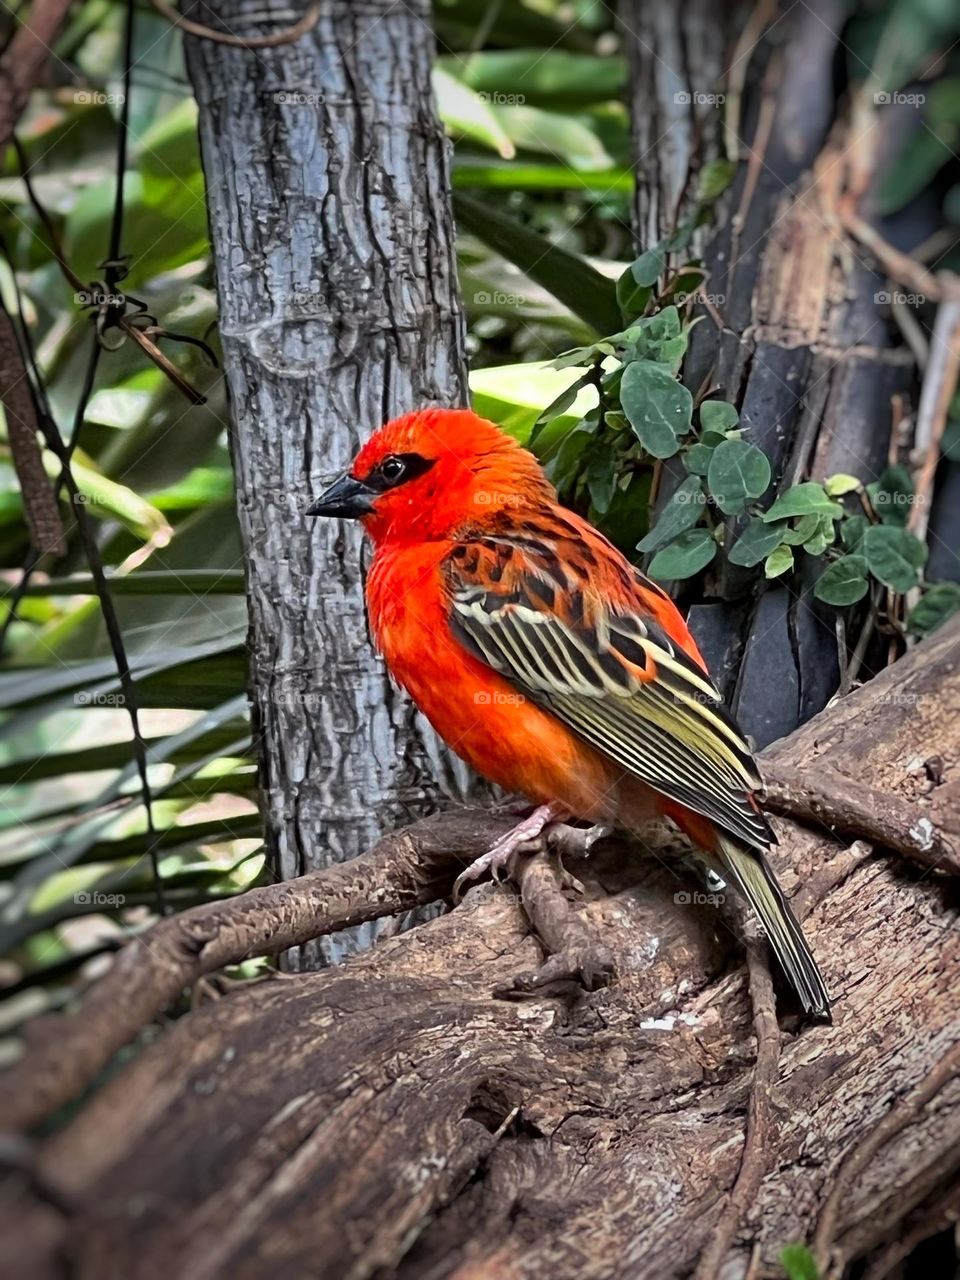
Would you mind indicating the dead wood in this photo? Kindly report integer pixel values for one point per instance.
(416, 1125)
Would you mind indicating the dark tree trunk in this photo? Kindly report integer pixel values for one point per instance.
(804, 344)
(328, 189)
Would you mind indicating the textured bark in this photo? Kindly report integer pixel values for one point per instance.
(423, 1128)
(328, 190)
(803, 345)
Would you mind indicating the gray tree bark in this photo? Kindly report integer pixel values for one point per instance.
(328, 190)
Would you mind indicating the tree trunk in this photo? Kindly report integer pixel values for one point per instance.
(797, 334)
(328, 188)
(422, 1127)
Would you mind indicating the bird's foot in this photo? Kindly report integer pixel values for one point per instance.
(525, 834)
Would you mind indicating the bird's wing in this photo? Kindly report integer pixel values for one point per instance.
(525, 606)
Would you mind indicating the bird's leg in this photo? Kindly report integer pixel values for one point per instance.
(498, 855)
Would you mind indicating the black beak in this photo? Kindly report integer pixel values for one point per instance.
(347, 498)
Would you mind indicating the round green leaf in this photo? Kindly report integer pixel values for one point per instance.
(778, 561)
(936, 605)
(657, 406)
(852, 531)
(836, 486)
(821, 538)
(737, 473)
(894, 556)
(755, 543)
(804, 499)
(647, 268)
(691, 552)
(696, 458)
(843, 582)
(892, 495)
(717, 415)
(681, 513)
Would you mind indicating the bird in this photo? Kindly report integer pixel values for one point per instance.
(549, 662)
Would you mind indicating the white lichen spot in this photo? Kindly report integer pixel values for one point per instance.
(659, 1024)
(923, 831)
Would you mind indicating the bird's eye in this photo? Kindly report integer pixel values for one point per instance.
(392, 469)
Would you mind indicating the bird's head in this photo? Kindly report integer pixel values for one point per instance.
(432, 474)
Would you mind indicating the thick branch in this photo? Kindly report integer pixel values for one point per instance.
(403, 870)
(846, 807)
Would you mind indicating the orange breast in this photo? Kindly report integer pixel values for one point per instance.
(480, 715)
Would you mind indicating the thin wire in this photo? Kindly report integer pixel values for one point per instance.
(63, 450)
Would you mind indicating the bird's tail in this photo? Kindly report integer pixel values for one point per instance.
(752, 875)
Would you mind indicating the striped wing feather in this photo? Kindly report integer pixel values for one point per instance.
(610, 672)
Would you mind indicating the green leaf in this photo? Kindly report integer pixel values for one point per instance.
(738, 473)
(843, 582)
(556, 78)
(657, 406)
(778, 561)
(821, 538)
(681, 513)
(571, 279)
(936, 605)
(715, 177)
(836, 486)
(691, 552)
(804, 529)
(601, 478)
(647, 269)
(718, 415)
(467, 114)
(852, 530)
(550, 133)
(632, 297)
(894, 556)
(756, 542)
(804, 499)
(696, 458)
(799, 1263)
(892, 495)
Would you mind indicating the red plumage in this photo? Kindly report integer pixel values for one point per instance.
(544, 658)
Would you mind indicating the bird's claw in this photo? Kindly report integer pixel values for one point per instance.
(526, 837)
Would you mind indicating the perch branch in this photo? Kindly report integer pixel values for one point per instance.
(403, 870)
(851, 809)
(574, 955)
(756, 1143)
(858, 1158)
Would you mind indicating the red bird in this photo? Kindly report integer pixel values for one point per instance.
(546, 660)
